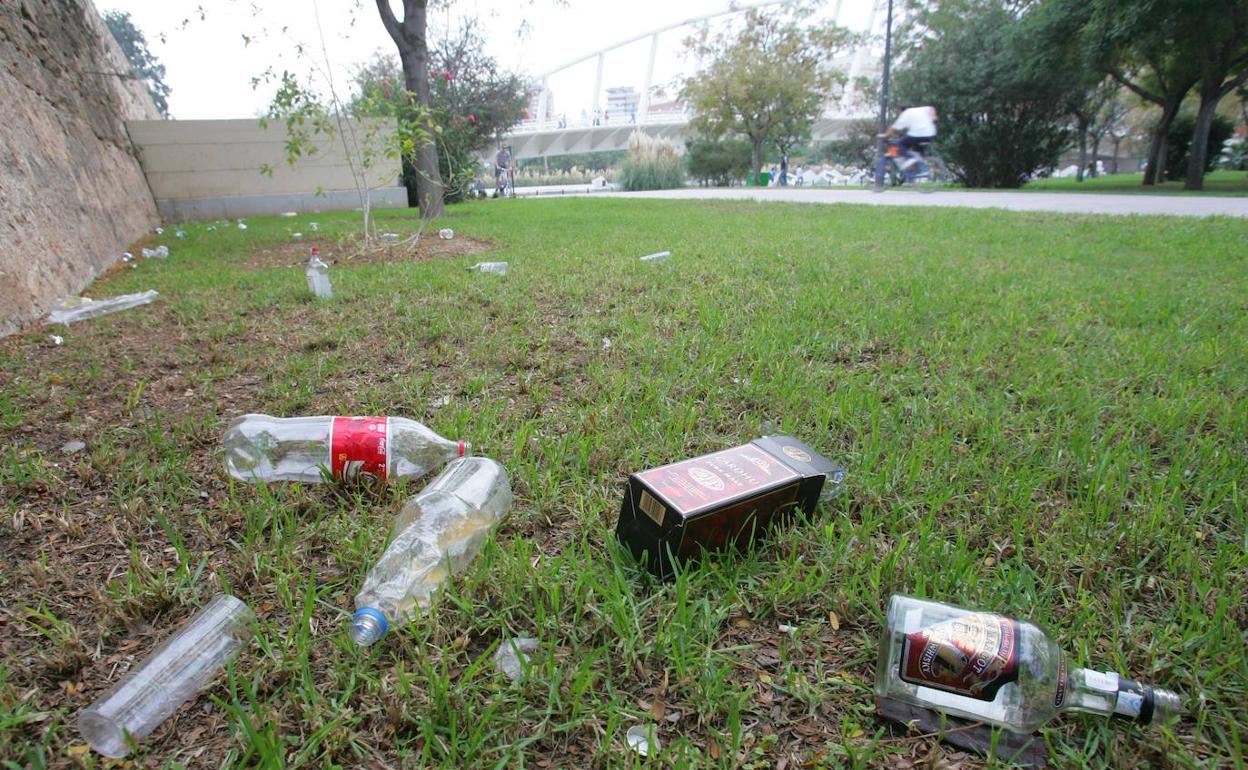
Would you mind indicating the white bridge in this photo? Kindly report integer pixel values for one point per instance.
(545, 135)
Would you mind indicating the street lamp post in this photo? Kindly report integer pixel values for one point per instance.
(888, 57)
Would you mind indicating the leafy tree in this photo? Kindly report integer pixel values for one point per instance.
(1179, 157)
(767, 82)
(474, 102)
(717, 161)
(146, 66)
(1001, 117)
(1216, 33)
(409, 35)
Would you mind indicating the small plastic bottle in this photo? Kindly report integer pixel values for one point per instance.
(495, 268)
(437, 534)
(318, 275)
(263, 448)
(170, 676)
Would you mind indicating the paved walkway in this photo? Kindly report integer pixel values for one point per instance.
(1067, 203)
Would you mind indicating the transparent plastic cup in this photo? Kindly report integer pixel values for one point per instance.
(169, 677)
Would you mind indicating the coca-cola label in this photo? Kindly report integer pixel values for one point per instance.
(359, 445)
(973, 655)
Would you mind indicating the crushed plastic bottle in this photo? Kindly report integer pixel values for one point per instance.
(160, 252)
(127, 257)
(72, 309)
(660, 256)
(493, 268)
(297, 236)
(318, 276)
(242, 225)
(446, 233)
(167, 678)
(263, 448)
(314, 226)
(180, 234)
(160, 231)
(389, 237)
(437, 534)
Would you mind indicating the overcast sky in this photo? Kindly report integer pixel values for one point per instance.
(210, 66)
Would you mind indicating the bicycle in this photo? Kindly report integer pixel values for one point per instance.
(928, 174)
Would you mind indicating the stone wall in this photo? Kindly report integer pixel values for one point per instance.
(72, 193)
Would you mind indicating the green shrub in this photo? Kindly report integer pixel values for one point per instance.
(1179, 143)
(651, 164)
(718, 162)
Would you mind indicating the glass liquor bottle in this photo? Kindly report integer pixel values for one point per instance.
(998, 670)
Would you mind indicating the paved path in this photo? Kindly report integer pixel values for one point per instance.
(1068, 203)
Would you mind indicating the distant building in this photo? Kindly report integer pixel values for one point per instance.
(535, 104)
(622, 102)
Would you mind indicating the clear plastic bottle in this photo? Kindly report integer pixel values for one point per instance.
(437, 534)
(994, 669)
(170, 676)
(263, 448)
(318, 276)
(494, 268)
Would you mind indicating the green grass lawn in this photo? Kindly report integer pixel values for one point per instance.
(1043, 415)
(1234, 183)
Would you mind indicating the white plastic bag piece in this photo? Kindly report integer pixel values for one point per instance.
(494, 268)
(657, 257)
(644, 739)
(160, 252)
(512, 656)
(73, 309)
(446, 233)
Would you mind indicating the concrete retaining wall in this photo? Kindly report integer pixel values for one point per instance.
(210, 169)
(72, 194)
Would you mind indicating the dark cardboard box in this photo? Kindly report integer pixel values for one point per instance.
(723, 500)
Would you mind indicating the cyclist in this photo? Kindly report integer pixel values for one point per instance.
(502, 170)
(917, 124)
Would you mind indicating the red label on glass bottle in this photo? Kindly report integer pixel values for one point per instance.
(973, 655)
(358, 445)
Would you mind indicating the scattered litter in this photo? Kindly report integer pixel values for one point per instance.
(512, 656)
(389, 237)
(73, 447)
(446, 233)
(160, 231)
(56, 339)
(318, 276)
(606, 343)
(180, 234)
(643, 739)
(297, 236)
(242, 225)
(73, 309)
(160, 252)
(314, 226)
(263, 448)
(171, 675)
(441, 401)
(438, 533)
(127, 257)
(657, 256)
(212, 227)
(785, 628)
(289, 214)
(784, 463)
(496, 268)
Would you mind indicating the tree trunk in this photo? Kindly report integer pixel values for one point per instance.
(1157, 148)
(756, 157)
(1117, 143)
(1199, 149)
(409, 37)
(1096, 154)
(1083, 149)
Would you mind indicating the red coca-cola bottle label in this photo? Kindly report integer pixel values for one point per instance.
(359, 445)
(973, 655)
